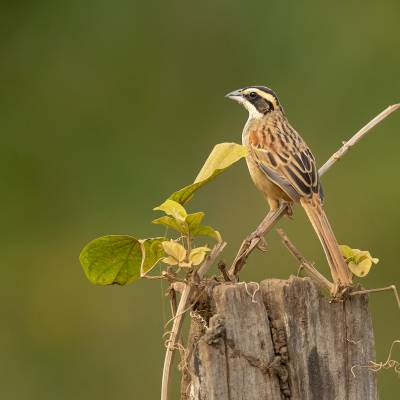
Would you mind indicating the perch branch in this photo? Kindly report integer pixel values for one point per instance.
(179, 317)
(357, 137)
(250, 243)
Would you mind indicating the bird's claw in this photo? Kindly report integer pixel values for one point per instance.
(262, 245)
(289, 210)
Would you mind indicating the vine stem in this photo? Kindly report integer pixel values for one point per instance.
(179, 317)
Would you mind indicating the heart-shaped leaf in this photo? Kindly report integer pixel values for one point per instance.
(113, 259)
(174, 250)
(359, 261)
(194, 220)
(152, 253)
(204, 230)
(172, 223)
(197, 255)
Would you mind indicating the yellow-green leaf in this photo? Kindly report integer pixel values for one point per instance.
(362, 268)
(170, 260)
(347, 251)
(194, 220)
(172, 208)
(359, 261)
(204, 230)
(112, 259)
(175, 250)
(222, 156)
(197, 255)
(152, 253)
(185, 264)
(172, 223)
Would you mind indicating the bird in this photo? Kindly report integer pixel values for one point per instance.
(284, 169)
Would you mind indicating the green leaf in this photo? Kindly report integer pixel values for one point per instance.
(204, 230)
(347, 251)
(362, 268)
(358, 261)
(172, 208)
(152, 253)
(112, 259)
(172, 223)
(194, 220)
(222, 156)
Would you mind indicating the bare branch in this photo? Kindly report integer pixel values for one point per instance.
(179, 317)
(224, 272)
(314, 274)
(251, 241)
(357, 137)
(391, 287)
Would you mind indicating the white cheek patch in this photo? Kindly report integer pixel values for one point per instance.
(253, 112)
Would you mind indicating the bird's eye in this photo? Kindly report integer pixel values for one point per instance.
(253, 95)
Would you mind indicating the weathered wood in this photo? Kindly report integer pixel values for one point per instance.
(279, 340)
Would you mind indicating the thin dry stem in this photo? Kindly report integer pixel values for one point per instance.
(179, 317)
(357, 137)
(314, 274)
(224, 272)
(391, 287)
(250, 243)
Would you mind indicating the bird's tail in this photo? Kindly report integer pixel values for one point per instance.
(316, 214)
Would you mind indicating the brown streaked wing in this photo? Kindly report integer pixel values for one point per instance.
(292, 169)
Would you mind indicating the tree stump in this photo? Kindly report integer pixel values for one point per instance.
(278, 340)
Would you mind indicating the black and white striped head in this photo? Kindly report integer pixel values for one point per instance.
(258, 100)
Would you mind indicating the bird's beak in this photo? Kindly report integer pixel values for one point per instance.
(235, 95)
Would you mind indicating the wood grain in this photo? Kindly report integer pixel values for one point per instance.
(278, 340)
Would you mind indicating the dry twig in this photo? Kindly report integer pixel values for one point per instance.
(224, 272)
(320, 280)
(357, 137)
(366, 291)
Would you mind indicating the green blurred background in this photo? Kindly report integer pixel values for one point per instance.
(107, 107)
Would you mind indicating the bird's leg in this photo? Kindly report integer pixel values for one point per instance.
(251, 242)
(289, 211)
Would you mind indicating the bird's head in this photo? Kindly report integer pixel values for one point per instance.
(259, 101)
